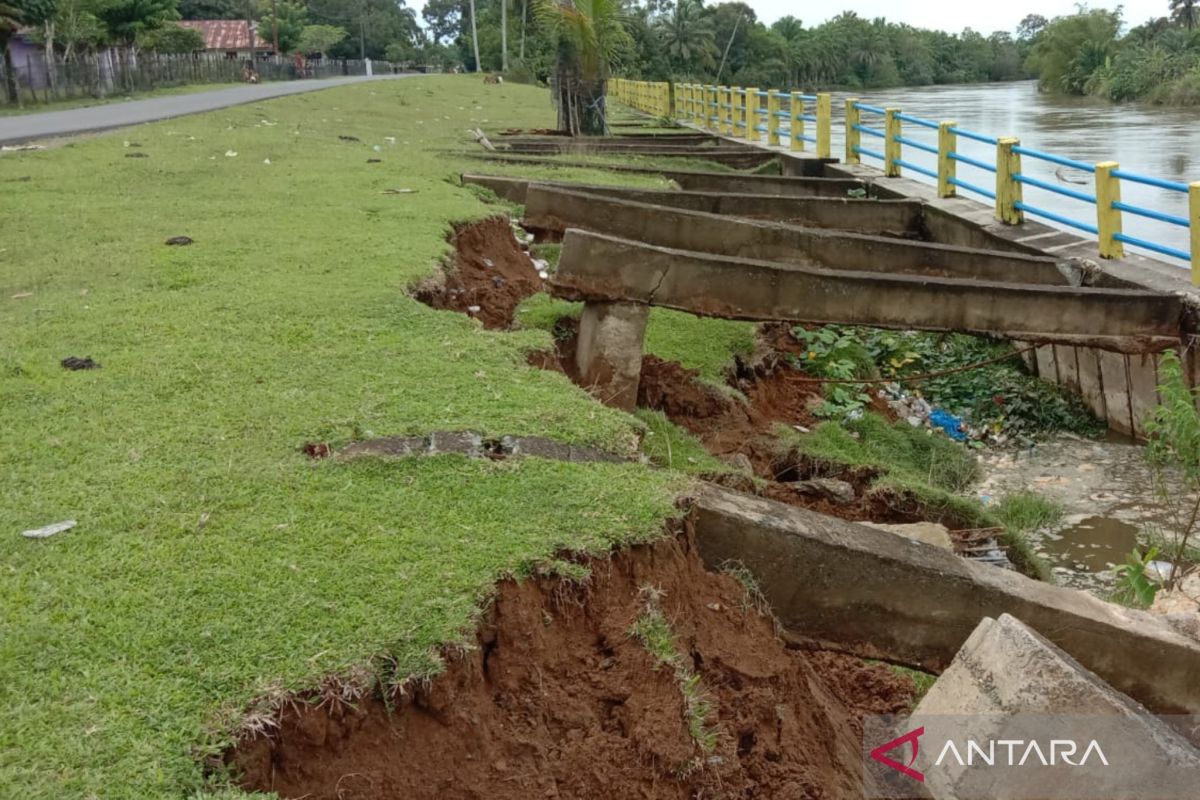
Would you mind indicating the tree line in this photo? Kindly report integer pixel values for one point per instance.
(688, 40)
(1088, 53)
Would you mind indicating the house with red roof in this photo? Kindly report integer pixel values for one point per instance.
(235, 38)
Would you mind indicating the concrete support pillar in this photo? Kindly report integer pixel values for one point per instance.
(609, 352)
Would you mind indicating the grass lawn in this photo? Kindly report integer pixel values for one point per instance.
(120, 97)
(213, 562)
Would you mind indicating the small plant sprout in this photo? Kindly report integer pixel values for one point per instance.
(1173, 429)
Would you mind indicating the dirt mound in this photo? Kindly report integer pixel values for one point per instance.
(559, 699)
(677, 391)
(489, 276)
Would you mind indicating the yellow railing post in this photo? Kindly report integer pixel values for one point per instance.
(947, 166)
(772, 118)
(824, 125)
(726, 111)
(697, 103)
(750, 108)
(797, 124)
(891, 143)
(739, 113)
(1108, 219)
(1008, 190)
(1194, 226)
(664, 99)
(853, 136)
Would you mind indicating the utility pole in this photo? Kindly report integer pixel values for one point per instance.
(728, 44)
(274, 27)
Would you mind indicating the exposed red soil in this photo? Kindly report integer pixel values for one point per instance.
(558, 699)
(489, 277)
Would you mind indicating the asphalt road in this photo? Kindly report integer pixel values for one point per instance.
(51, 124)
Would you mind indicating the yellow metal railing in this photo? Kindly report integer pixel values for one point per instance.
(771, 116)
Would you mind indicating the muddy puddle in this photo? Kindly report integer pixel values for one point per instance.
(1106, 488)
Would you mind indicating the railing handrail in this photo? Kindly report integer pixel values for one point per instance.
(730, 110)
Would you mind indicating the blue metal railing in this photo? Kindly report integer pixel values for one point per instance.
(786, 111)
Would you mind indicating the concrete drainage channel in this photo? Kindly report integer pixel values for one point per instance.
(560, 697)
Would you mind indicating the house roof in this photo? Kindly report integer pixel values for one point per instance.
(225, 34)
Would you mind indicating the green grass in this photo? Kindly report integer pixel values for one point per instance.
(121, 97)
(213, 562)
(1027, 511)
(930, 466)
(667, 445)
(1022, 513)
(909, 455)
(654, 632)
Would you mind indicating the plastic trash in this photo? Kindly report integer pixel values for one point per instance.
(949, 423)
(49, 530)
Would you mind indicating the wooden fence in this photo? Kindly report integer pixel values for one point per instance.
(112, 72)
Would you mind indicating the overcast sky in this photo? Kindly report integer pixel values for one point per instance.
(984, 16)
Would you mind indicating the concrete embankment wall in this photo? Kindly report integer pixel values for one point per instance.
(1121, 389)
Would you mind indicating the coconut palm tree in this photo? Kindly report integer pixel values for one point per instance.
(1184, 11)
(688, 35)
(588, 35)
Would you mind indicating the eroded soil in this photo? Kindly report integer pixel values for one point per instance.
(488, 276)
(556, 698)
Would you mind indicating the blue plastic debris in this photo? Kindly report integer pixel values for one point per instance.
(949, 423)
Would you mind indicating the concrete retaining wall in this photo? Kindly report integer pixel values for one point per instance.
(1122, 390)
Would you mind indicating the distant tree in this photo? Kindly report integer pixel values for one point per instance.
(443, 17)
(172, 39)
(319, 38)
(1071, 50)
(126, 20)
(688, 36)
(75, 28)
(1184, 11)
(289, 17)
(1031, 26)
(214, 9)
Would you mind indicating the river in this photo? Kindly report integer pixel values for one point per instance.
(1152, 140)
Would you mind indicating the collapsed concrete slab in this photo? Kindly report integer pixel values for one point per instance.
(736, 158)
(806, 185)
(900, 218)
(558, 208)
(1008, 684)
(593, 267)
(922, 603)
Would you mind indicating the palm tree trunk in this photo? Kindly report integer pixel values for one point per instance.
(10, 72)
(524, 22)
(474, 36)
(504, 35)
(51, 72)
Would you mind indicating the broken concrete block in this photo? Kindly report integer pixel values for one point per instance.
(1012, 687)
(933, 533)
(922, 602)
(831, 489)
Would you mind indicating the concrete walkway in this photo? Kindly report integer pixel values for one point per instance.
(28, 127)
